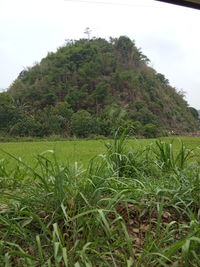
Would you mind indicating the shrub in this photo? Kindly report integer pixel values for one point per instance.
(82, 124)
(150, 130)
(27, 127)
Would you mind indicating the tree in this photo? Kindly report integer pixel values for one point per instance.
(9, 113)
(87, 32)
(100, 94)
(150, 130)
(27, 127)
(63, 109)
(82, 124)
(194, 112)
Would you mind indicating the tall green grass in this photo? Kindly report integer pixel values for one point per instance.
(129, 206)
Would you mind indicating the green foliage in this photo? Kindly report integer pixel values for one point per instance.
(75, 98)
(82, 123)
(9, 113)
(105, 127)
(169, 159)
(100, 92)
(150, 130)
(63, 109)
(145, 116)
(26, 127)
(5, 99)
(137, 127)
(162, 78)
(109, 79)
(194, 113)
(127, 208)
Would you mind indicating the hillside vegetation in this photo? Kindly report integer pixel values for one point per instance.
(91, 87)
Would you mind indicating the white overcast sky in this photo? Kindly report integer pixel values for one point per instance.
(169, 35)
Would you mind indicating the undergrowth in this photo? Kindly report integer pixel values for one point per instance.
(127, 208)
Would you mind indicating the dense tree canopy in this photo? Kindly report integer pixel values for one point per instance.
(93, 87)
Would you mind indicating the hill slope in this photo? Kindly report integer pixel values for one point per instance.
(93, 87)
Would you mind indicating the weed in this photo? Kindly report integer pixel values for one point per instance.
(128, 207)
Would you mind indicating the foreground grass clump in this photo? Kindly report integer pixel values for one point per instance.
(127, 208)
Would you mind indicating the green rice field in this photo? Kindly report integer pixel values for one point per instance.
(81, 151)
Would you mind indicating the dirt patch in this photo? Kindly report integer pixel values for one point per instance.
(193, 134)
(144, 220)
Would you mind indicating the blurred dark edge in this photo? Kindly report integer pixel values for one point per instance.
(188, 3)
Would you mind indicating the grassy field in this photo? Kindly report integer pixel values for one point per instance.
(136, 205)
(71, 151)
(81, 151)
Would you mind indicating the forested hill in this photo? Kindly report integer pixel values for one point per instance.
(93, 87)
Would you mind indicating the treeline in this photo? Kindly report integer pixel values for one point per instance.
(61, 119)
(92, 87)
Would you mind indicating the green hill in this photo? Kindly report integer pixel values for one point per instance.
(93, 87)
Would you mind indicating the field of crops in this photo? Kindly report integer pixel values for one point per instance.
(136, 204)
(81, 151)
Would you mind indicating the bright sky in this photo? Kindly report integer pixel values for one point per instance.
(169, 35)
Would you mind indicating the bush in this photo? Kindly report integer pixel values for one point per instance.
(27, 127)
(150, 130)
(82, 124)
